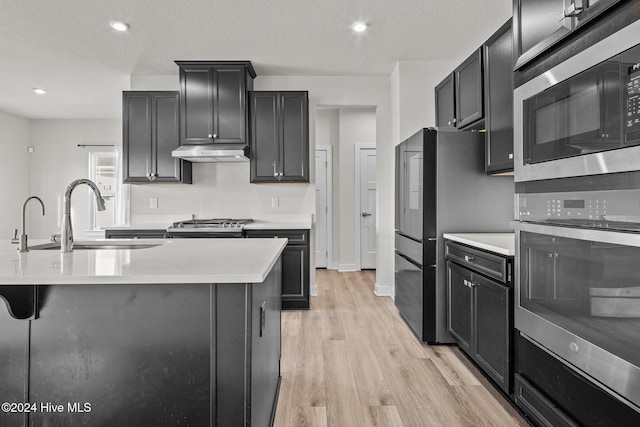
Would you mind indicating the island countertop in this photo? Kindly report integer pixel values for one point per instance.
(165, 261)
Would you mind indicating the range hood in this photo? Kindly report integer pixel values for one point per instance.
(212, 154)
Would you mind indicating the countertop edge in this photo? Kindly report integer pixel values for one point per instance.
(471, 239)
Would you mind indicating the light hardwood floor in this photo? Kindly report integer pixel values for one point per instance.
(352, 361)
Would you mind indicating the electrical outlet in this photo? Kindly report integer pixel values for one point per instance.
(274, 202)
(153, 203)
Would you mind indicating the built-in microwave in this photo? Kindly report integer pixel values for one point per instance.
(582, 117)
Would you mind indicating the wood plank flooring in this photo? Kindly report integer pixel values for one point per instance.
(352, 361)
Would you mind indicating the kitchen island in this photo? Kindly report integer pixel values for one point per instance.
(147, 333)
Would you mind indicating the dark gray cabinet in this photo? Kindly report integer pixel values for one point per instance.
(150, 133)
(213, 101)
(459, 97)
(498, 110)
(540, 24)
(480, 313)
(445, 104)
(279, 136)
(469, 91)
(295, 266)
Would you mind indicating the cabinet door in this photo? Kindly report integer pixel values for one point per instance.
(469, 90)
(264, 136)
(498, 86)
(294, 125)
(136, 138)
(295, 277)
(166, 136)
(445, 104)
(538, 25)
(492, 335)
(460, 304)
(196, 104)
(230, 105)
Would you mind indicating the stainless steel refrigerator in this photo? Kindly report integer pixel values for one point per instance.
(441, 187)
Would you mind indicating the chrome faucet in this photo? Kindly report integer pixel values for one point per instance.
(23, 235)
(66, 232)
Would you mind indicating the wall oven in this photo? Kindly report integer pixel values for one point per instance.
(578, 276)
(582, 117)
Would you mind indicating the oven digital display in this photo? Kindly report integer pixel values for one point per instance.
(573, 204)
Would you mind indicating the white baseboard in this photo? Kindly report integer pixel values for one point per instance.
(343, 268)
(313, 290)
(383, 291)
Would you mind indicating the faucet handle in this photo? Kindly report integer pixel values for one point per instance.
(15, 239)
(55, 238)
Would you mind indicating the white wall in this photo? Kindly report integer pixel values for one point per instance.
(57, 161)
(14, 174)
(415, 94)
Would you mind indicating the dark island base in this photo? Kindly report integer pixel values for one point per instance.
(144, 355)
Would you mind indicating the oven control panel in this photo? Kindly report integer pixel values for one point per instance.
(615, 209)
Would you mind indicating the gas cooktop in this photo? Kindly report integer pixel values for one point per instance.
(214, 224)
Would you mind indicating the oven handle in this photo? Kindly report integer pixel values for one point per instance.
(614, 237)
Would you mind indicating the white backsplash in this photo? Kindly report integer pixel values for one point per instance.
(219, 191)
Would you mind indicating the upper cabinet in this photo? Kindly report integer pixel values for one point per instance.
(540, 24)
(279, 136)
(469, 91)
(445, 104)
(150, 132)
(498, 104)
(213, 101)
(459, 97)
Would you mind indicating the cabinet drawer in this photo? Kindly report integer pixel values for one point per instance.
(487, 263)
(537, 406)
(294, 236)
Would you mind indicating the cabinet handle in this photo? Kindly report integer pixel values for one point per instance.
(275, 174)
(263, 317)
(212, 135)
(510, 156)
(467, 283)
(449, 123)
(469, 258)
(454, 121)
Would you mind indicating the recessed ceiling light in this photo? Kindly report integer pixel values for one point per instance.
(39, 91)
(359, 26)
(119, 26)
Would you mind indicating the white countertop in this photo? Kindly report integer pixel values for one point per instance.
(273, 222)
(500, 243)
(172, 261)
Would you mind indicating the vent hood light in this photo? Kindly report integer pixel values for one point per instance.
(359, 27)
(39, 91)
(119, 26)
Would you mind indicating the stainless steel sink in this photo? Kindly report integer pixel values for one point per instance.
(98, 244)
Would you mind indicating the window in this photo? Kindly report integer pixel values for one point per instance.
(105, 171)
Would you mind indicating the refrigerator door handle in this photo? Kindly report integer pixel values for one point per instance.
(432, 239)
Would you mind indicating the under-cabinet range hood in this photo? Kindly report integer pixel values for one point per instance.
(211, 154)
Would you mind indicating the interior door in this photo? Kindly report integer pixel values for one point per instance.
(321, 209)
(367, 208)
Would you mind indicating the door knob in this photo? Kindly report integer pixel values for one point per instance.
(365, 214)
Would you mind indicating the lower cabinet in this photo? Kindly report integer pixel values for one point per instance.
(295, 266)
(480, 318)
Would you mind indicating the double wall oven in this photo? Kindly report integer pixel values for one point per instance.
(577, 211)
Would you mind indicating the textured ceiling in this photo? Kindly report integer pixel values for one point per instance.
(68, 48)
